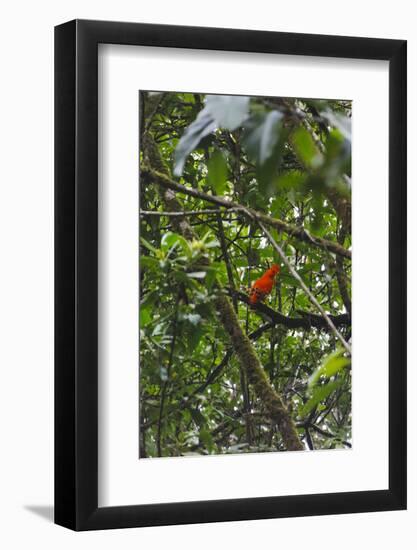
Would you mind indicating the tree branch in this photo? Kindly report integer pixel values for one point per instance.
(331, 435)
(342, 279)
(186, 212)
(256, 374)
(242, 346)
(342, 205)
(306, 322)
(310, 296)
(153, 176)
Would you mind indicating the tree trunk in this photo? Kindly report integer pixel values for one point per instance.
(243, 348)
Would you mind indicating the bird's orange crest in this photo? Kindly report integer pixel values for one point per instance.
(275, 269)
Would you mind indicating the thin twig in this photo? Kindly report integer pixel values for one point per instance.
(226, 258)
(329, 434)
(307, 321)
(308, 439)
(243, 379)
(294, 231)
(297, 277)
(186, 212)
(211, 377)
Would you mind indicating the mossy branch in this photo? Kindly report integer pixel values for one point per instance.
(152, 174)
(256, 374)
(307, 321)
(243, 348)
(306, 290)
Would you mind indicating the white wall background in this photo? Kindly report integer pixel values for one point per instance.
(26, 274)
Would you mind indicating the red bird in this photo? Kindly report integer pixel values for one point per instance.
(263, 286)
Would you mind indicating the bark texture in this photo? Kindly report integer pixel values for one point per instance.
(248, 359)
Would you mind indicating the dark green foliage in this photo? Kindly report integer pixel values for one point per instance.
(288, 159)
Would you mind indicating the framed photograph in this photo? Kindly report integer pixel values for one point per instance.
(230, 252)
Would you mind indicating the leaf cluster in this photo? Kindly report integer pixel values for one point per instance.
(290, 159)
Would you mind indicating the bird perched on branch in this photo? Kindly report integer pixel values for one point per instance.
(263, 286)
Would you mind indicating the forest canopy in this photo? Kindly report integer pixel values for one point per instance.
(236, 357)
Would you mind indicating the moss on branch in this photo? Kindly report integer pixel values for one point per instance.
(162, 179)
(243, 348)
(256, 374)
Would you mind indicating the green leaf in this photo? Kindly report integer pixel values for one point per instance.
(203, 125)
(211, 274)
(272, 178)
(170, 240)
(197, 417)
(264, 140)
(194, 337)
(319, 394)
(212, 244)
(229, 111)
(217, 172)
(197, 274)
(330, 366)
(206, 438)
(291, 181)
(150, 298)
(148, 245)
(262, 135)
(335, 365)
(182, 277)
(306, 149)
(341, 122)
(220, 111)
(147, 262)
(145, 316)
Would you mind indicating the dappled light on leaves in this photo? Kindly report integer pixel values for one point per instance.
(245, 274)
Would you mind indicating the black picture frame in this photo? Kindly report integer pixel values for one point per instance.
(76, 271)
